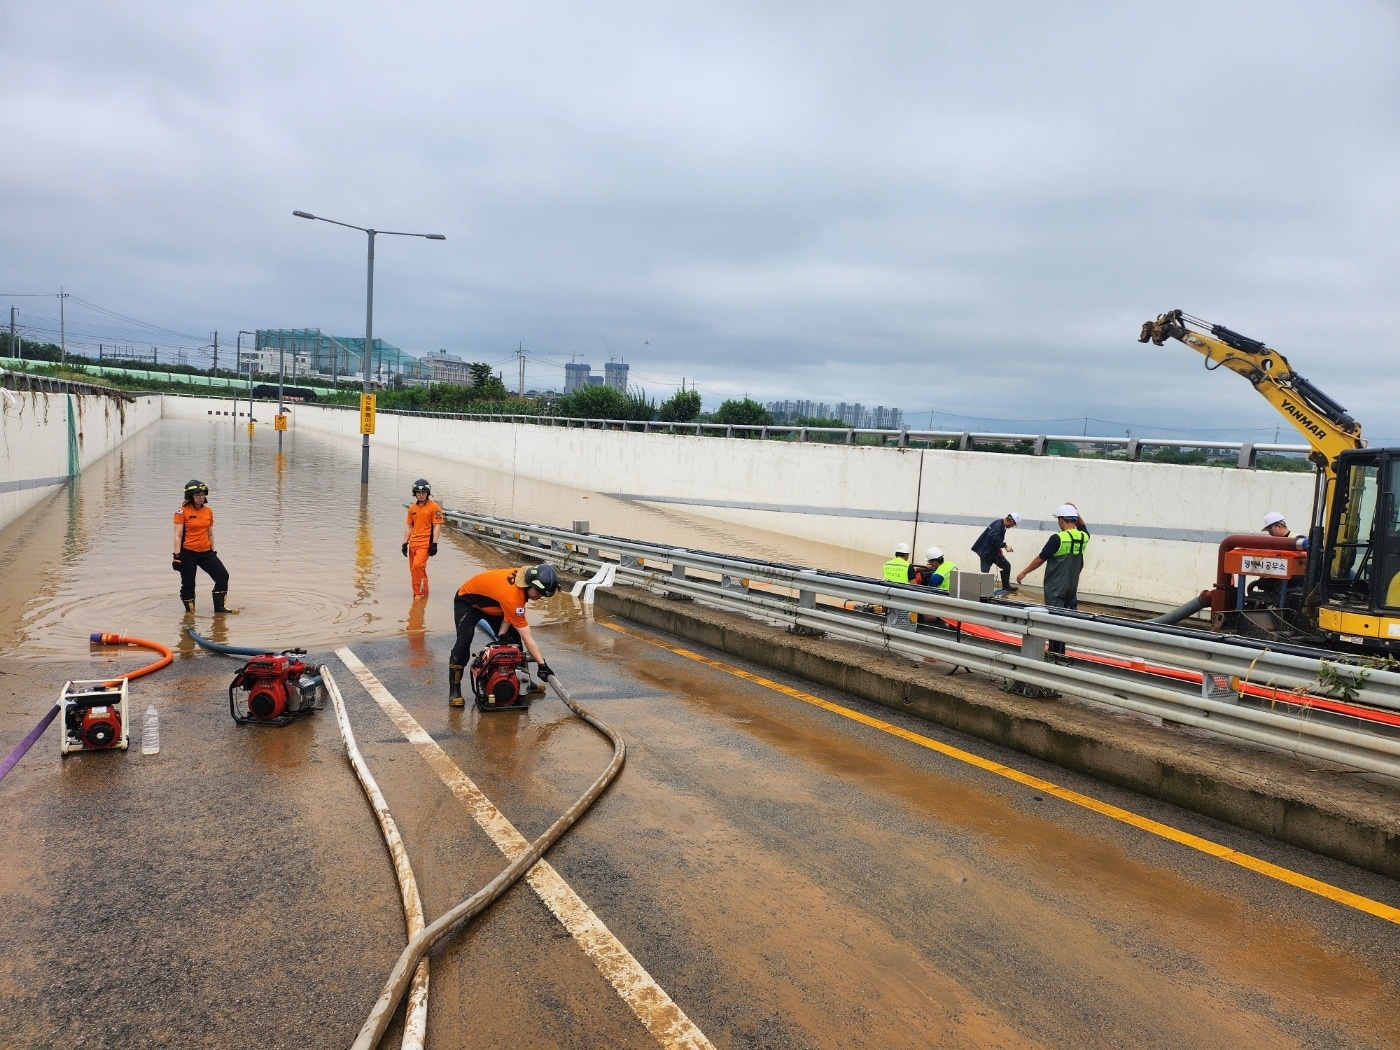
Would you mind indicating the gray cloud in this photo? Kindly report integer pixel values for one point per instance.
(943, 206)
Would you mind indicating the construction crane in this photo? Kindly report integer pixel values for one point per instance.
(1340, 586)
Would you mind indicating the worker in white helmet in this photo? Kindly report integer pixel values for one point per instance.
(936, 572)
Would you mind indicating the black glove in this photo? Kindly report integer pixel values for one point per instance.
(405, 550)
(544, 673)
(432, 550)
(175, 562)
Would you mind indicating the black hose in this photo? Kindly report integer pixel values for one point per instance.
(234, 650)
(1180, 613)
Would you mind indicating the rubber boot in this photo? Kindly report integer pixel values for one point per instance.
(220, 602)
(529, 685)
(189, 605)
(454, 690)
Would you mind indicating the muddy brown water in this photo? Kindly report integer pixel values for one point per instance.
(313, 559)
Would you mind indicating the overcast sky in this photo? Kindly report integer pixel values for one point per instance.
(960, 208)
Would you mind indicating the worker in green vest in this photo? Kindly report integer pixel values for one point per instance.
(1063, 558)
(897, 568)
(937, 572)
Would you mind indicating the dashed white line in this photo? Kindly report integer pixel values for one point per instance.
(638, 989)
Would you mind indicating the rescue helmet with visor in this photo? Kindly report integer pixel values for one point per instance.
(542, 577)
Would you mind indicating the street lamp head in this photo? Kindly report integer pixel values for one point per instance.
(303, 215)
(435, 237)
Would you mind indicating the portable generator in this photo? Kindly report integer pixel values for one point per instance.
(495, 679)
(280, 688)
(93, 717)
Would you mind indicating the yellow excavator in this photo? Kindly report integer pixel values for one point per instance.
(1340, 586)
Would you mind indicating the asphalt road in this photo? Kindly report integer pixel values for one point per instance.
(790, 877)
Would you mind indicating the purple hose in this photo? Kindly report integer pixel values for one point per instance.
(24, 745)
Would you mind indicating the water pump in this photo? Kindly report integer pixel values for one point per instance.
(280, 690)
(495, 678)
(93, 716)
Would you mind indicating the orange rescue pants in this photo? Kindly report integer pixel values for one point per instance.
(418, 569)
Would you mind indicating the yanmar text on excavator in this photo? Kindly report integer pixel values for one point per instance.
(1341, 585)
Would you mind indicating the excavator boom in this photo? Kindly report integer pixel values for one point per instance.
(1326, 425)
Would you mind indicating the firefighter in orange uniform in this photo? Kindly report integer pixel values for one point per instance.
(498, 596)
(194, 548)
(420, 535)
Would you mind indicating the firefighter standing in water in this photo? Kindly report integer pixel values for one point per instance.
(420, 535)
(194, 548)
(498, 596)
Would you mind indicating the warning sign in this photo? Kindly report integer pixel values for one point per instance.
(366, 413)
(279, 421)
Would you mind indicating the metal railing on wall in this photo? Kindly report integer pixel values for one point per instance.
(1149, 670)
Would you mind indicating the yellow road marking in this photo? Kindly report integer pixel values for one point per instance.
(1153, 827)
(637, 988)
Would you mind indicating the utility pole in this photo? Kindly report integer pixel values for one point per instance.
(215, 370)
(62, 328)
(520, 353)
(14, 325)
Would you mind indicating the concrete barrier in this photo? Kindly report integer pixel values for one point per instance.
(1156, 527)
(48, 438)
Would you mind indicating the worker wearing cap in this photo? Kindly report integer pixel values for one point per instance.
(1063, 558)
(897, 568)
(498, 597)
(420, 535)
(990, 545)
(936, 572)
(194, 548)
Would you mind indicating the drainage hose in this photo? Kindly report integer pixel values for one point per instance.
(234, 650)
(419, 945)
(1180, 613)
(96, 638)
(416, 1021)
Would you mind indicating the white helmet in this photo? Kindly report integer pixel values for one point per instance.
(934, 554)
(901, 548)
(1272, 518)
(1067, 510)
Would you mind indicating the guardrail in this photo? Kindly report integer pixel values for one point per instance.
(813, 601)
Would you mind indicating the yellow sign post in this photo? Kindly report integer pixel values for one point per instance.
(366, 413)
(279, 421)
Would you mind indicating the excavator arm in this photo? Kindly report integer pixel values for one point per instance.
(1330, 430)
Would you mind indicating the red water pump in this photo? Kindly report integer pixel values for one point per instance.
(495, 684)
(280, 689)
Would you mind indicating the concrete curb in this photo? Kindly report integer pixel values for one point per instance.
(1346, 818)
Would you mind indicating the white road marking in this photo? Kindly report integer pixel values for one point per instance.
(638, 989)
(150, 732)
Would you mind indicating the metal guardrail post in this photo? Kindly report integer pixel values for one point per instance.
(965, 442)
(729, 431)
(802, 434)
(1040, 446)
(903, 438)
(850, 437)
(1247, 456)
(1134, 449)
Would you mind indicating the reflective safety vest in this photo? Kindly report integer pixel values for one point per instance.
(897, 570)
(1072, 541)
(945, 570)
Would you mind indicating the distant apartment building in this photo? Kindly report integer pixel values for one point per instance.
(851, 415)
(578, 375)
(790, 411)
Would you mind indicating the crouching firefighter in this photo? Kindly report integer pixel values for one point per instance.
(194, 548)
(498, 597)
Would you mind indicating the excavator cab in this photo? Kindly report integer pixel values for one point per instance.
(1361, 557)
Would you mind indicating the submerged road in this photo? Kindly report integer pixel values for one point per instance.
(791, 866)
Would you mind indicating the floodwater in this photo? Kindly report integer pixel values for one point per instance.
(314, 558)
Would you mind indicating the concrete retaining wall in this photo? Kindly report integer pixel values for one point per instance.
(47, 438)
(1156, 527)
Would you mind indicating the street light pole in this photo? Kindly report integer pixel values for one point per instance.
(369, 312)
(238, 367)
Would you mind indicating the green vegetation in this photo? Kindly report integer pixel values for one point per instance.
(603, 402)
(745, 412)
(681, 407)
